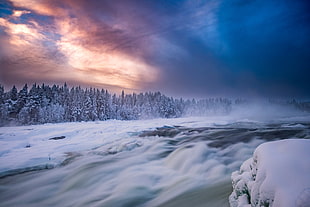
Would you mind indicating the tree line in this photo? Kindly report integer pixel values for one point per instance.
(53, 104)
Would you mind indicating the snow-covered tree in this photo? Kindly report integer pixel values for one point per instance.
(54, 104)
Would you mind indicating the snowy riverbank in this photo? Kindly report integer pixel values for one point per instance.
(277, 175)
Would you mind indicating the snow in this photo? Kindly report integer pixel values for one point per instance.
(111, 160)
(27, 147)
(31, 147)
(277, 175)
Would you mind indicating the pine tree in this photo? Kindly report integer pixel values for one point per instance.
(44, 104)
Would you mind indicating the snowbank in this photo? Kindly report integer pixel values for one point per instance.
(277, 175)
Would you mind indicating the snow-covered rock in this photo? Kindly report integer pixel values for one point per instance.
(278, 175)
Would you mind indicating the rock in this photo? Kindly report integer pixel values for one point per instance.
(57, 138)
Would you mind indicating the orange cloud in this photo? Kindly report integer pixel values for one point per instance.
(84, 46)
(21, 34)
(42, 7)
(115, 69)
(18, 13)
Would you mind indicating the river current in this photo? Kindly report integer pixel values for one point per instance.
(170, 166)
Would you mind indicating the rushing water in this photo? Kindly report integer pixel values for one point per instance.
(170, 166)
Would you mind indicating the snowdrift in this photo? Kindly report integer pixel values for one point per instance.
(277, 175)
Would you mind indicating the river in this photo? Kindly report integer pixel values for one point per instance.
(168, 166)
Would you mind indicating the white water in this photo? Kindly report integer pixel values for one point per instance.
(109, 164)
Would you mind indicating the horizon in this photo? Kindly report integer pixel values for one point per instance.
(249, 100)
(190, 49)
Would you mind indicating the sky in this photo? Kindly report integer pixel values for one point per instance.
(189, 48)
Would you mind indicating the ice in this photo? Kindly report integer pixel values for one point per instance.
(277, 175)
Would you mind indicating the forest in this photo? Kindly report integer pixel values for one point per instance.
(53, 104)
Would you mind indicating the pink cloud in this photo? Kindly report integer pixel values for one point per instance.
(83, 51)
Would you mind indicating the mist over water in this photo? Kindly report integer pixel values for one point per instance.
(186, 163)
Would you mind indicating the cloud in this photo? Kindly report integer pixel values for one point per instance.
(128, 44)
(21, 34)
(23, 56)
(42, 7)
(85, 44)
(18, 13)
(189, 47)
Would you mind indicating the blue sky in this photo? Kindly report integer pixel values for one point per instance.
(191, 48)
